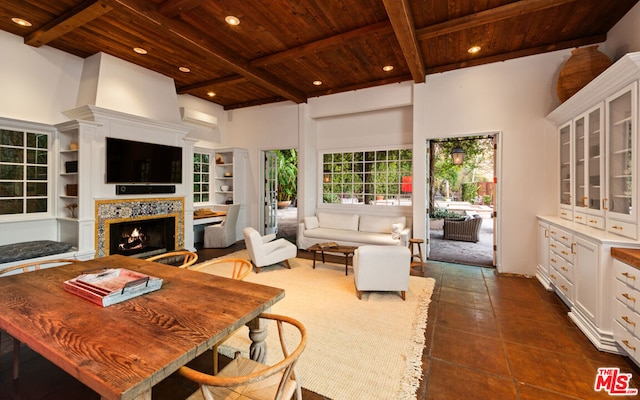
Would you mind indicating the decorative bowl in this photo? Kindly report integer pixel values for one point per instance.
(224, 188)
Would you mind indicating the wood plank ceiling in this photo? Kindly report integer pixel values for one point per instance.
(281, 47)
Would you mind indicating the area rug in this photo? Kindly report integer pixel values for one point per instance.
(357, 349)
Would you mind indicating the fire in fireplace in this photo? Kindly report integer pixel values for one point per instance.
(142, 238)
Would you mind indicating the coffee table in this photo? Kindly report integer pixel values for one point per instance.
(347, 251)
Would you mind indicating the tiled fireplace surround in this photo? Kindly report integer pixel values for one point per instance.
(124, 210)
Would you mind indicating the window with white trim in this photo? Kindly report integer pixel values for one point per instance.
(374, 177)
(24, 172)
(201, 177)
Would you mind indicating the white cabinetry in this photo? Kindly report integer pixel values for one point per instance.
(626, 315)
(561, 263)
(597, 131)
(622, 172)
(580, 269)
(542, 272)
(598, 193)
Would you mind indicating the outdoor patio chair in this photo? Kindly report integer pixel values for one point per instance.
(465, 229)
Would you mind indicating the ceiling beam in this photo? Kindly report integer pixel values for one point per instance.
(323, 44)
(203, 44)
(213, 82)
(84, 13)
(492, 15)
(399, 13)
(568, 44)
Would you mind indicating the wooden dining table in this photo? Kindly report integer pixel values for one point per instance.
(123, 350)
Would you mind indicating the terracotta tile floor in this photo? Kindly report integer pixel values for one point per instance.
(488, 337)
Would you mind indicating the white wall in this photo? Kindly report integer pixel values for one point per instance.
(37, 84)
(624, 37)
(268, 127)
(512, 98)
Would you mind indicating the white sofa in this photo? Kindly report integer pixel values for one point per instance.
(354, 230)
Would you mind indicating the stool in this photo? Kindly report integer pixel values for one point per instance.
(417, 255)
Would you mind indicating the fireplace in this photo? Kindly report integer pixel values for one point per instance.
(112, 216)
(142, 238)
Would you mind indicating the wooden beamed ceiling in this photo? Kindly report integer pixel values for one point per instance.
(281, 47)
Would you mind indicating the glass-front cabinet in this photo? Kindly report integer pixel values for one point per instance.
(588, 185)
(565, 172)
(621, 182)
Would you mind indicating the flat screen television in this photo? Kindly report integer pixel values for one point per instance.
(138, 162)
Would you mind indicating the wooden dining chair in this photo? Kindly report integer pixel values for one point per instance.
(241, 268)
(173, 258)
(26, 267)
(244, 378)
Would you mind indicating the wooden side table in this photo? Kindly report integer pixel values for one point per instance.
(417, 255)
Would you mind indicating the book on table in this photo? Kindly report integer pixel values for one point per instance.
(111, 285)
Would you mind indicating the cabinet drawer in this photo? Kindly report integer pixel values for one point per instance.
(563, 251)
(580, 217)
(627, 295)
(561, 235)
(626, 317)
(563, 287)
(565, 268)
(626, 340)
(566, 214)
(623, 229)
(595, 222)
(627, 274)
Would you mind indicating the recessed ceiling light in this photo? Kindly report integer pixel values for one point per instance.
(185, 69)
(21, 22)
(211, 94)
(387, 68)
(231, 20)
(474, 49)
(317, 83)
(139, 50)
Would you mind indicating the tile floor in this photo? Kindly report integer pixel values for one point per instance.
(488, 337)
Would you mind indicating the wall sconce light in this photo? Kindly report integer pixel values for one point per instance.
(457, 156)
(326, 178)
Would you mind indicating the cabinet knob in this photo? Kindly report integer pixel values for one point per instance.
(578, 217)
(553, 276)
(565, 269)
(617, 227)
(626, 296)
(593, 221)
(564, 238)
(564, 253)
(564, 288)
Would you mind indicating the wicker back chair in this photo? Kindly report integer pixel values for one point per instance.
(465, 229)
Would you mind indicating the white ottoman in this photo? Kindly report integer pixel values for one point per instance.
(382, 268)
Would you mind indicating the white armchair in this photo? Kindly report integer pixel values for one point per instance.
(382, 268)
(264, 250)
(224, 234)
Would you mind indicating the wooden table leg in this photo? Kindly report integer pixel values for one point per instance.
(258, 334)
(346, 264)
(314, 259)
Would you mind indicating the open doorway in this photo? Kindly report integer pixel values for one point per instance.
(462, 200)
(280, 213)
